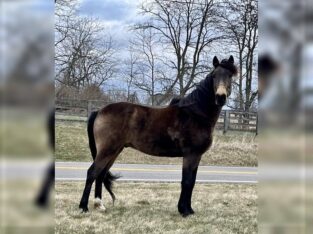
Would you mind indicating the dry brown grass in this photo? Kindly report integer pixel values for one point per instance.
(232, 149)
(18, 211)
(151, 208)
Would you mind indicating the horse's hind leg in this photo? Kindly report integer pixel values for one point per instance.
(92, 173)
(108, 178)
(99, 166)
(98, 191)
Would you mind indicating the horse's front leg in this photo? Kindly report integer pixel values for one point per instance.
(190, 167)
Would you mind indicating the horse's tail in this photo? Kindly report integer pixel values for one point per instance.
(92, 143)
(108, 179)
(108, 183)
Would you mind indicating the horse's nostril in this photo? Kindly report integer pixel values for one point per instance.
(220, 99)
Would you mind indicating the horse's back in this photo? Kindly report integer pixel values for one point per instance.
(127, 109)
(132, 117)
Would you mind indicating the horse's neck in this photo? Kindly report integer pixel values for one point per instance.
(201, 101)
(214, 113)
(203, 95)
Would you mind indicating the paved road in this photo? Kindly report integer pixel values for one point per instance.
(134, 172)
(160, 173)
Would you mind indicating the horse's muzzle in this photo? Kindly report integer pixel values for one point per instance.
(220, 99)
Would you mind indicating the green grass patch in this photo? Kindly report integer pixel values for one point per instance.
(151, 208)
(232, 149)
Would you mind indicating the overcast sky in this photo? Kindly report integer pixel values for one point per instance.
(109, 10)
(115, 15)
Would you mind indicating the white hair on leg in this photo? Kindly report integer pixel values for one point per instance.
(98, 204)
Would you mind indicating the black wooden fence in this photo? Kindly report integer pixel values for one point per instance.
(229, 120)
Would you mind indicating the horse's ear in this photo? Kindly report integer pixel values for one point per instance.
(231, 59)
(215, 61)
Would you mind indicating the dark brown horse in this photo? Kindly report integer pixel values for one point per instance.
(183, 129)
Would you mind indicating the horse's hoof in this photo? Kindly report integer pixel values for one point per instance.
(83, 209)
(99, 205)
(186, 212)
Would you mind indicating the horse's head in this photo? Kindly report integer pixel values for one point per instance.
(222, 79)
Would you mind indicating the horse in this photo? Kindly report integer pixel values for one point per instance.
(182, 129)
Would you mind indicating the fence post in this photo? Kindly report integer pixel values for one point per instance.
(226, 121)
(89, 108)
(257, 124)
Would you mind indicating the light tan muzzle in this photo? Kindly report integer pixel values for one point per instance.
(221, 95)
(221, 90)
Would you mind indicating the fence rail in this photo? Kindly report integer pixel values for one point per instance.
(229, 120)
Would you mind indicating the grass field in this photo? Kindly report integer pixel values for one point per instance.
(232, 149)
(151, 208)
(23, 135)
(18, 211)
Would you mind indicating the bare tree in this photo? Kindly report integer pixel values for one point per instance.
(64, 15)
(187, 28)
(84, 55)
(162, 98)
(239, 20)
(149, 71)
(130, 72)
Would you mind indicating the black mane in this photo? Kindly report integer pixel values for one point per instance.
(200, 101)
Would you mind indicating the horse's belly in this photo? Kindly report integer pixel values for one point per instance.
(158, 146)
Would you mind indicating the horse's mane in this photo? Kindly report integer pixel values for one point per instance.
(200, 98)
